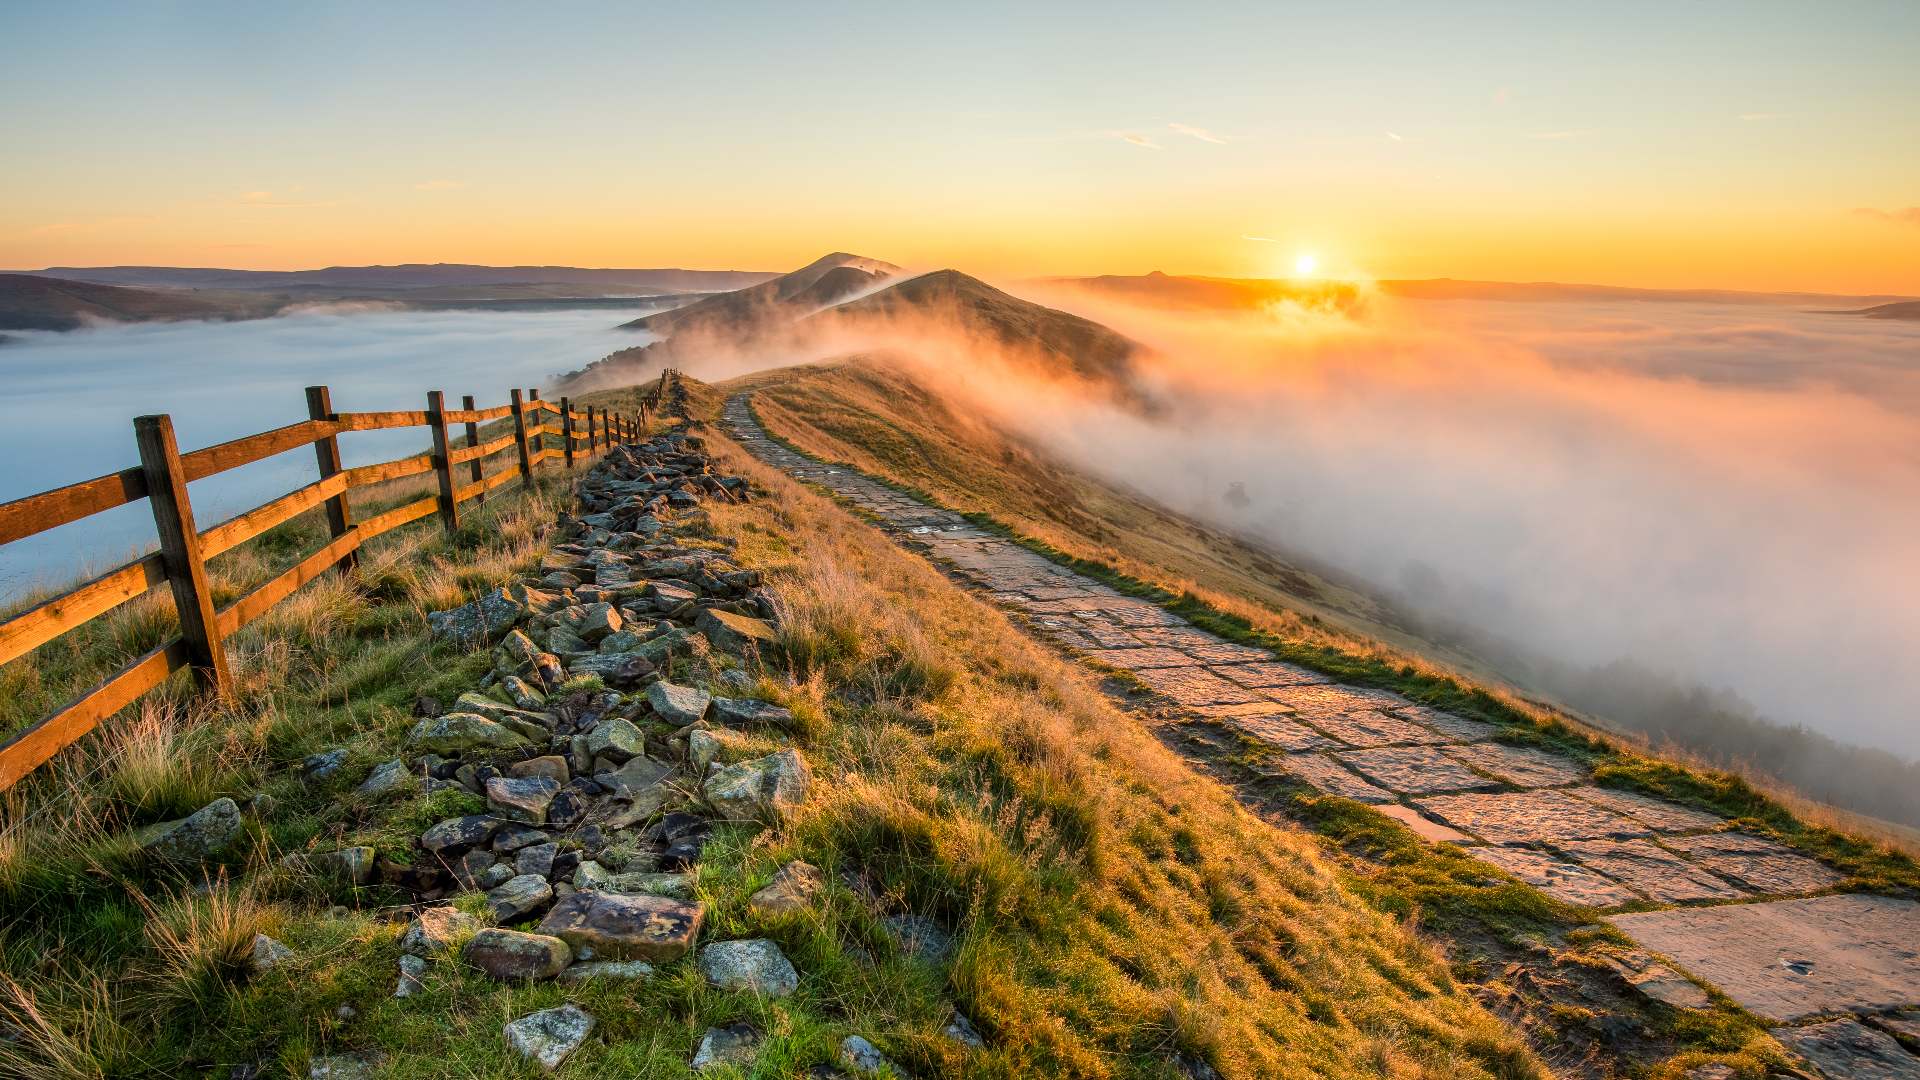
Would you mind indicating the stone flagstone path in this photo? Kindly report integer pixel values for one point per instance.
(1529, 812)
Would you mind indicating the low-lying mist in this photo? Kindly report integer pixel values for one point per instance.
(1599, 497)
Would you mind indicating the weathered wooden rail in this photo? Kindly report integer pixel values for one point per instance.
(161, 479)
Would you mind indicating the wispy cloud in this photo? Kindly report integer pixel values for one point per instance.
(439, 185)
(1198, 133)
(1395, 136)
(1906, 216)
(1137, 139)
(105, 224)
(1262, 239)
(267, 200)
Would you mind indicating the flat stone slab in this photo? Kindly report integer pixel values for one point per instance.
(1652, 869)
(1333, 778)
(1791, 959)
(622, 927)
(1371, 729)
(1562, 880)
(1195, 686)
(1424, 827)
(1269, 674)
(1146, 656)
(1325, 700)
(1850, 1049)
(1520, 766)
(1106, 634)
(1661, 815)
(1762, 864)
(1277, 730)
(1415, 770)
(1215, 651)
(1520, 817)
(1453, 727)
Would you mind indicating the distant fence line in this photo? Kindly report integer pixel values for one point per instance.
(161, 478)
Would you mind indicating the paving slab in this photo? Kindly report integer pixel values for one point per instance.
(1107, 634)
(1371, 729)
(1326, 700)
(1267, 674)
(1414, 770)
(1195, 686)
(1558, 878)
(1661, 815)
(1453, 727)
(1765, 865)
(1851, 1050)
(1424, 827)
(1178, 637)
(1652, 869)
(1148, 656)
(1521, 766)
(1521, 817)
(1790, 959)
(1275, 730)
(1225, 652)
(1334, 778)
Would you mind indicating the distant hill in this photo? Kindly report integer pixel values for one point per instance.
(1060, 340)
(1167, 290)
(408, 276)
(38, 303)
(826, 280)
(1905, 310)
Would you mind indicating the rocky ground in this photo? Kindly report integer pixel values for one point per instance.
(1731, 912)
(607, 749)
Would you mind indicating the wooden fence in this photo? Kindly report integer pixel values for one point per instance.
(162, 477)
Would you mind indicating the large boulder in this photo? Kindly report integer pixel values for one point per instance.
(765, 788)
(653, 928)
(199, 836)
(755, 965)
(463, 732)
(510, 954)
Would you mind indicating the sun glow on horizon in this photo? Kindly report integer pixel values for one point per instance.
(1306, 264)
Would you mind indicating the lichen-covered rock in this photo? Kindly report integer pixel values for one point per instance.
(748, 712)
(626, 927)
(548, 1036)
(678, 705)
(342, 1067)
(350, 864)
(324, 765)
(765, 788)
(734, 633)
(436, 930)
(755, 964)
(199, 836)
(920, 937)
(510, 954)
(413, 970)
(460, 832)
(462, 732)
(735, 1044)
(961, 1030)
(524, 799)
(475, 623)
(387, 777)
(609, 970)
(861, 1057)
(615, 739)
(791, 891)
(267, 954)
(518, 897)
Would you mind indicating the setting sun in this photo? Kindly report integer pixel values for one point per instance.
(1306, 264)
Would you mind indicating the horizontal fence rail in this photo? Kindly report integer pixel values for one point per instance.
(180, 564)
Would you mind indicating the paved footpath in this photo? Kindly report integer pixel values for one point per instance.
(1852, 957)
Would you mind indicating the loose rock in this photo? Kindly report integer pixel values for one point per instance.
(626, 927)
(764, 788)
(548, 1036)
(755, 964)
(195, 838)
(792, 890)
(510, 954)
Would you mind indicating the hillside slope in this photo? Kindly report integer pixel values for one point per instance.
(28, 302)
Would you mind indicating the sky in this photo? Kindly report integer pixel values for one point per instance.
(1751, 145)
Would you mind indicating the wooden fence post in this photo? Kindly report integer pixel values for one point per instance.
(520, 438)
(443, 461)
(473, 440)
(180, 550)
(539, 421)
(327, 451)
(566, 429)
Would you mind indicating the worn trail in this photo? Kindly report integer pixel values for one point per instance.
(1839, 972)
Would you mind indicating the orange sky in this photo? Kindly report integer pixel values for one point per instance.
(1737, 146)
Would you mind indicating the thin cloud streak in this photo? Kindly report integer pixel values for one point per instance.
(1906, 216)
(1198, 133)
